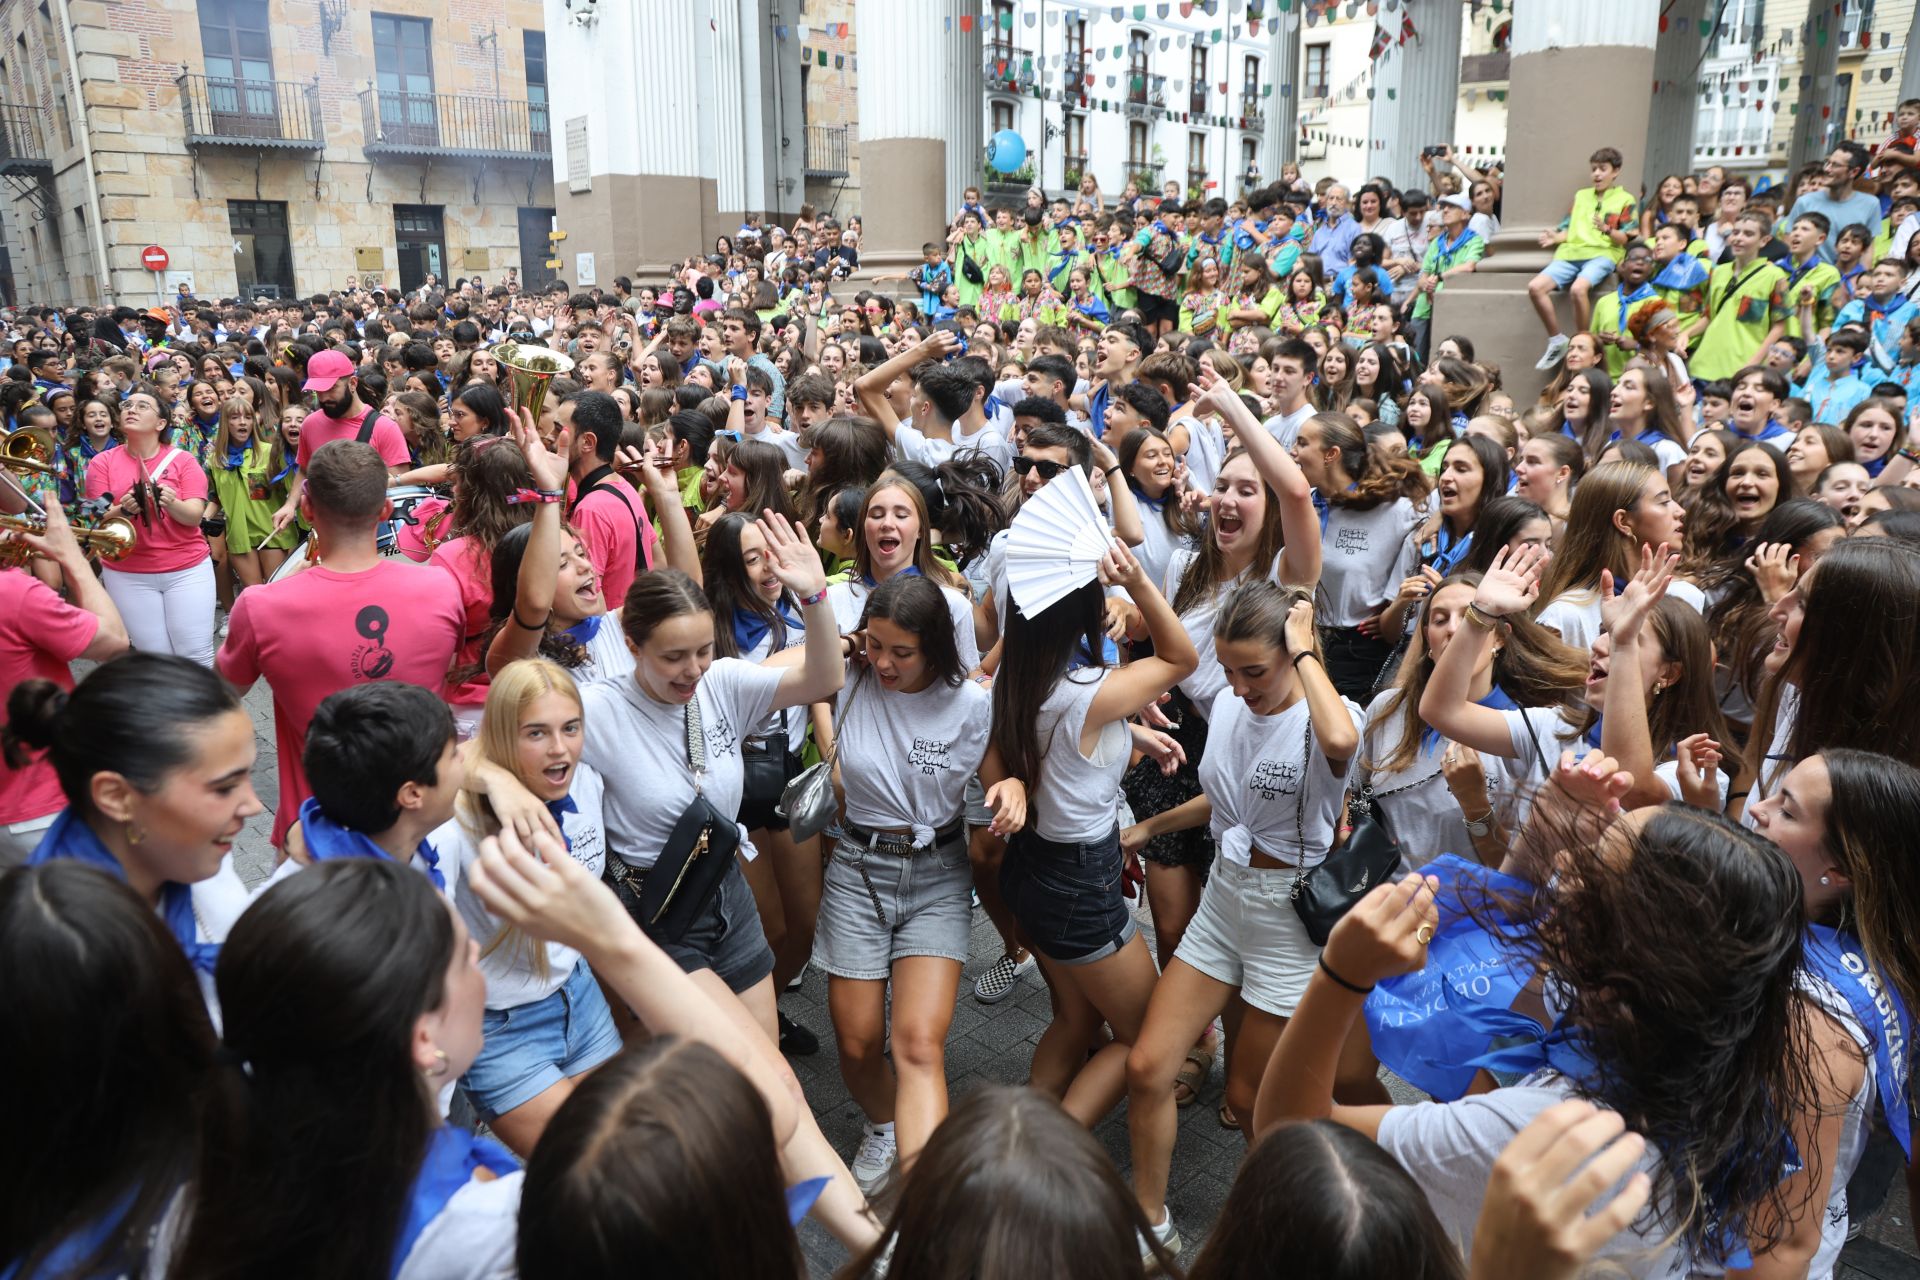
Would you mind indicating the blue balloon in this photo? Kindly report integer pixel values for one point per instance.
(1006, 151)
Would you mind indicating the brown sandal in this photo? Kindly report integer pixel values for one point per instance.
(1193, 1074)
(1227, 1118)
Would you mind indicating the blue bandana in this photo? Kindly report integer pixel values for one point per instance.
(327, 839)
(751, 627)
(1497, 698)
(560, 809)
(801, 1198)
(586, 629)
(71, 837)
(1838, 958)
(453, 1156)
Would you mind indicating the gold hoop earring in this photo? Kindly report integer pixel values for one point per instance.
(135, 833)
(439, 1067)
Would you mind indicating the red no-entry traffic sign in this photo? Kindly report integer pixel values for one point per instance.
(154, 258)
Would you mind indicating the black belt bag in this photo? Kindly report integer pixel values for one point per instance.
(670, 895)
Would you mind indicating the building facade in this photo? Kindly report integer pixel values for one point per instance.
(271, 148)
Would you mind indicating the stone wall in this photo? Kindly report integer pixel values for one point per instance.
(154, 190)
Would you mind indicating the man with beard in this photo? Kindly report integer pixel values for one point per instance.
(340, 416)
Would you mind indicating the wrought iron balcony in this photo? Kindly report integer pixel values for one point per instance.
(1253, 108)
(460, 126)
(277, 115)
(1007, 67)
(1144, 172)
(22, 146)
(1145, 93)
(826, 151)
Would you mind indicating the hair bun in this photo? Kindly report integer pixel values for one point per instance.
(33, 713)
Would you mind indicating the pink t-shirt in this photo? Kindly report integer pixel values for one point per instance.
(161, 543)
(472, 570)
(321, 631)
(388, 441)
(39, 635)
(606, 525)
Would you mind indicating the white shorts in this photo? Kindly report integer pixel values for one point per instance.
(1247, 935)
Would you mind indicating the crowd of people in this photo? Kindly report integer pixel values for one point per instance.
(1552, 752)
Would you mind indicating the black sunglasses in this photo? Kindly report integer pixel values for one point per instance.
(1048, 469)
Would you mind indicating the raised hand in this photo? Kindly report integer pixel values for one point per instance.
(1511, 583)
(1118, 568)
(549, 466)
(1775, 569)
(538, 888)
(1697, 758)
(793, 558)
(1625, 613)
(1386, 933)
(1550, 1204)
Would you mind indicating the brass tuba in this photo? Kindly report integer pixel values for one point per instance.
(531, 369)
(29, 449)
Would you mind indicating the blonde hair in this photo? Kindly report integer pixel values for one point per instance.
(518, 686)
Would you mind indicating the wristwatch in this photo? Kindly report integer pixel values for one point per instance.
(1480, 826)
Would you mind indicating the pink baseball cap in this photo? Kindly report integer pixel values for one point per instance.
(325, 369)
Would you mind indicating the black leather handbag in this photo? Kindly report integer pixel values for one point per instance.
(669, 896)
(1322, 894)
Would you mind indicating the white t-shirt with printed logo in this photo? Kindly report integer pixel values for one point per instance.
(1252, 773)
(906, 758)
(1363, 558)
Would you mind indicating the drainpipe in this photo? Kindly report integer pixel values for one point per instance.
(86, 152)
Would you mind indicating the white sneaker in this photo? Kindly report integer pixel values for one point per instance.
(874, 1160)
(998, 982)
(1166, 1237)
(1556, 347)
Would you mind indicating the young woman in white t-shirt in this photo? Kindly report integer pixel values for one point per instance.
(1374, 500)
(1279, 742)
(1643, 409)
(546, 1022)
(896, 536)
(1618, 508)
(912, 732)
(1703, 1054)
(1059, 724)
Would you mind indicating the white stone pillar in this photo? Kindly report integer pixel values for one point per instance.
(919, 122)
(1910, 63)
(729, 104)
(1282, 135)
(1570, 58)
(1416, 88)
(1676, 98)
(1820, 58)
(643, 190)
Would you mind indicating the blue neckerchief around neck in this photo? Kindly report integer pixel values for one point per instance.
(70, 837)
(327, 839)
(453, 1156)
(750, 628)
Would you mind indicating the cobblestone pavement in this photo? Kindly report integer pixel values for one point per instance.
(992, 1044)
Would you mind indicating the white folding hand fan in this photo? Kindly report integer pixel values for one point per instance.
(1055, 543)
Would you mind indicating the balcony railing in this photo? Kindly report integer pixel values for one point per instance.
(1197, 99)
(1075, 169)
(1253, 107)
(826, 151)
(453, 124)
(1008, 67)
(1144, 172)
(1145, 93)
(272, 114)
(22, 130)
(1197, 180)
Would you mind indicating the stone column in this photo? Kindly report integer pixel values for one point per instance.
(1820, 59)
(1676, 98)
(646, 200)
(966, 141)
(1416, 88)
(1282, 133)
(1569, 59)
(919, 122)
(730, 101)
(1910, 64)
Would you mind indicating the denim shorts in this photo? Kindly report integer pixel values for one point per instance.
(725, 937)
(1067, 896)
(1246, 934)
(1564, 271)
(924, 907)
(533, 1047)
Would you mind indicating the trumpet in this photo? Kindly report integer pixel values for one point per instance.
(531, 369)
(29, 449)
(110, 539)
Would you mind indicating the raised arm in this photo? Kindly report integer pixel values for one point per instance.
(1299, 522)
(870, 388)
(669, 517)
(822, 668)
(1126, 511)
(1624, 732)
(538, 578)
(1129, 688)
(1510, 587)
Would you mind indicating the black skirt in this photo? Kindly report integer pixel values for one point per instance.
(1150, 792)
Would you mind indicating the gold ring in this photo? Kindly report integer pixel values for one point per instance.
(1423, 935)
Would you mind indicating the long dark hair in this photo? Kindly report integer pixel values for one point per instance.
(657, 596)
(916, 605)
(323, 1119)
(1495, 472)
(102, 1009)
(1741, 630)
(662, 1162)
(1873, 809)
(504, 570)
(1713, 530)
(1690, 704)
(1856, 660)
(486, 404)
(724, 575)
(1677, 948)
(1280, 1216)
(1036, 656)
(1206, 572)
(1179, 521)
(1010, 1187)
(765, 468)
(1500, 519)
(134, 716)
